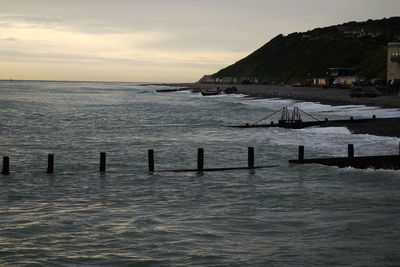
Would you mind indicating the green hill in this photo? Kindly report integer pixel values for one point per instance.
(358, 45)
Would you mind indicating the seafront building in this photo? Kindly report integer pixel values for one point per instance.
(320, 81)
(343, 76)
(228, 80)
(393, 63)
(334, 77)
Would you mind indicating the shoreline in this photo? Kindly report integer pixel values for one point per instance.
(331, 96)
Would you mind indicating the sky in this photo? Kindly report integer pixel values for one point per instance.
(155, 40)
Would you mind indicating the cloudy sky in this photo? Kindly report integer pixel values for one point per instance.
(154, 40)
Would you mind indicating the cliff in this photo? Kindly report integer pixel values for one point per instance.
(358, 45)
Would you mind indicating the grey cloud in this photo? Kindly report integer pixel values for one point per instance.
(183, 38)
(18, 56)
(85, 25)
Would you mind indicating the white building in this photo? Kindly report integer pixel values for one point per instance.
(393, 61)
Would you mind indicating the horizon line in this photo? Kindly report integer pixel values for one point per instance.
(88, 81)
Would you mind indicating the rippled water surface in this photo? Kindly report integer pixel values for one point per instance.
(287, 215)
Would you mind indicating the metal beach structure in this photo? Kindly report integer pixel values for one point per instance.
(288, 119)
(291, 120)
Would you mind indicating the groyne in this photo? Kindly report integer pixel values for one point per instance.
(391, 162)
(361, 162)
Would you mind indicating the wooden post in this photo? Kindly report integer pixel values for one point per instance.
(151, 160)
(374, 117)
(350, 150)
(326, 119)
(272, 123)
(200, 159)
(250, 158)
(50, 163)
(6, 166)
(102, 161)
(301, 153)
(351, 118)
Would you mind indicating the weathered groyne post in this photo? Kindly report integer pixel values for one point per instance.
(150, 156)
(301, 153)
(50, 163)
(350, 151)
(250, 157)
(200, 159)
(102, 161)
(6, 166)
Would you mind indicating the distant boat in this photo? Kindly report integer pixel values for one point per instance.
(211, 92)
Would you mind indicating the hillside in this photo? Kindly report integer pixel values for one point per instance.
(358, 45)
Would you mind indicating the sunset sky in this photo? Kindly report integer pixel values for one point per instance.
(154, 40)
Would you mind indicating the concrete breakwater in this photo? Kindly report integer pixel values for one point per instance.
(365, 162)
(374, 125)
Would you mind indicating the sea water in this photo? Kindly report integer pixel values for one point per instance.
(287, 215)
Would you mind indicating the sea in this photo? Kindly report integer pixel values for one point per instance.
(287, 215)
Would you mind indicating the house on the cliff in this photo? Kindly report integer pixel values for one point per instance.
(393, 64)
(209, 79)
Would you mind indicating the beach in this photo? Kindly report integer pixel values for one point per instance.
(329, 96)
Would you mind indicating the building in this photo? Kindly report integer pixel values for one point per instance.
(338, 77)
(248, 80)
(209, 79)
(320, 82)
(347, 80)
(393, 62)
(337, 72)
(228, 80)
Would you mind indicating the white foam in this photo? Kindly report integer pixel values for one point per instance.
(380, 172)
(272, 101)
(348, 110)
(326, 131)
(227, 96)
(332, 141)
(360, 111)
(183, 92)
(235, 95)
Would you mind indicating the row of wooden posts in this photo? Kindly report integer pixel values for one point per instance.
(377, 161)
(151, 168)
